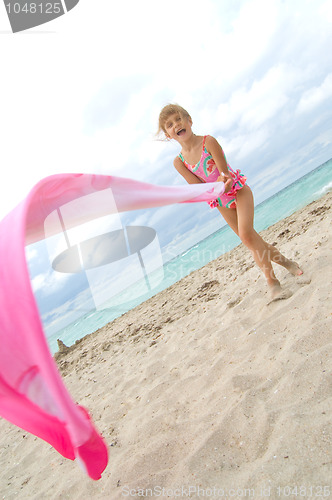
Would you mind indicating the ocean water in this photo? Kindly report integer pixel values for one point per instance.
(295, 196)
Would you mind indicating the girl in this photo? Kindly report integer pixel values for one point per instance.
(202, 160)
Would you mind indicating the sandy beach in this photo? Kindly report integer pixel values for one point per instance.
(204, 390)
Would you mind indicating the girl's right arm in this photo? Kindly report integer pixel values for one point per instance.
(186, 174)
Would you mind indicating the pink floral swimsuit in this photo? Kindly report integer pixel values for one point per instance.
(207, 171)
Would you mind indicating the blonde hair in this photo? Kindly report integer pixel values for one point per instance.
(166, 112)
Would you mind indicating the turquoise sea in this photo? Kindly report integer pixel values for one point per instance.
(295, 196)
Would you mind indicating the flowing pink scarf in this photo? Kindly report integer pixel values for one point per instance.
(32, 394)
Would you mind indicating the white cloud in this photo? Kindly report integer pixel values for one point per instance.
(315, 96)
(242, 145)
(250, 107)
(249, 39)
(49, 282)
(38, 282)
(326, 11)
(31, 253)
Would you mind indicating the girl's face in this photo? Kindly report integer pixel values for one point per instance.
(178, 127)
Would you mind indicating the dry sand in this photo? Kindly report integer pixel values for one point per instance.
(204, 386)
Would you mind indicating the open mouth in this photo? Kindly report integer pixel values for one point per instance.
(181, 132)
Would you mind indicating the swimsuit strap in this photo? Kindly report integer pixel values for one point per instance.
(180, 155)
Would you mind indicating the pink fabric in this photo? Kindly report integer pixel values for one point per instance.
(32, 394)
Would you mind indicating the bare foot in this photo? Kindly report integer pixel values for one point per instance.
(278, 293)
(292, 267)
(295, 270)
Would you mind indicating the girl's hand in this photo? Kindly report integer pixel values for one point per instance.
(227, 180)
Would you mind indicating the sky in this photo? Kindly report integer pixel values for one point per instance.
(83, 92)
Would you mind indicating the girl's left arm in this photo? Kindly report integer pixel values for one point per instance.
(214, 148)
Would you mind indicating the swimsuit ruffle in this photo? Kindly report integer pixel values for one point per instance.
(214, 203)
(229, 199)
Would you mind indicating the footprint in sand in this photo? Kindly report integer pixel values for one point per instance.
(282, 295)
(303, 280)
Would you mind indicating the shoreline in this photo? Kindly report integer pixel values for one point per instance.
(203, 384)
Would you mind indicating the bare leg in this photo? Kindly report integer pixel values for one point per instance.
(280, 259)
(241, 221)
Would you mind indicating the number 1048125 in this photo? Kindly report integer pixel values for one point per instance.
(304, 491)
(34, 8)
